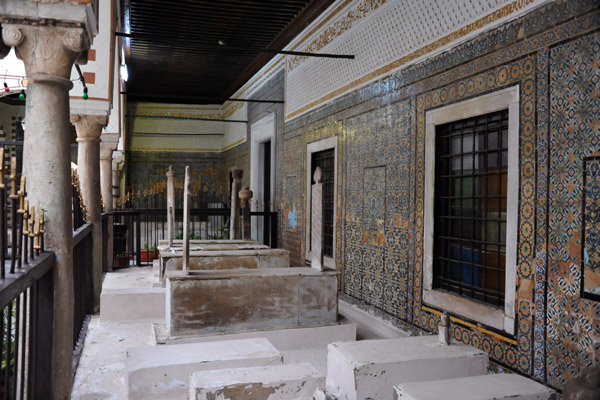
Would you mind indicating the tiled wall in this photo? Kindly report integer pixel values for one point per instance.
(146, 168)
(553, 55)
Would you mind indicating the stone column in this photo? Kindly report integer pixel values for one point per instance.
(170, 205)
(48, 53)
(89, 129)
(316, 222)
(106, 150)
(234, 222)
(186, 221)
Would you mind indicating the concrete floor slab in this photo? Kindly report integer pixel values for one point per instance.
(487, 387)
(368, 325)
(310, 337)
(101, 371)
(129, 278)
(133, 304)
(370, 368)
(273, 382)
(163, 372)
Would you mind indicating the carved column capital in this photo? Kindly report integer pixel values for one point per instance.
(45, 49)
(106, 150)
(4, 48)
(88, 126)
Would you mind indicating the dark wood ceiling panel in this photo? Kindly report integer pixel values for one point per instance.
(174, 50)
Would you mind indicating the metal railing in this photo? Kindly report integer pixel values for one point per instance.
(26, 293)
(82, 267)
(137, 232)
(26, 334)
(105, 238)
(82, 279)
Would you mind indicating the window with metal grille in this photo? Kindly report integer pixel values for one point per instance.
(325, 159)
(471, 181)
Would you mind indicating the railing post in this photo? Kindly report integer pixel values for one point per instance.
(273, 226)
(138, 239)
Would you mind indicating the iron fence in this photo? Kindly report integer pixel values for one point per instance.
(137, 232)
(26, 293)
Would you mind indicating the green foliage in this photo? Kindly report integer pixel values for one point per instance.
(8, 331)
(193, 236)
(222, 233)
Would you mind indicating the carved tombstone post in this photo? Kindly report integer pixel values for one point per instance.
(444, 329)
(234, 223)
(245, 196)
(170, 205)
(186, 221)
(316, 219)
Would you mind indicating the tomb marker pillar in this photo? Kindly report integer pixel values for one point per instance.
(245, 197)
(234, 223)
(170, 205)
(186, 221)
(316, 225)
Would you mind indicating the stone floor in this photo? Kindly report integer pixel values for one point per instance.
(101, 371)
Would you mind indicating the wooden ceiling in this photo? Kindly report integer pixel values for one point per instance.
(202, 51)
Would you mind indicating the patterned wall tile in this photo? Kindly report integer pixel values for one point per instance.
(376, 214)
(574, 134)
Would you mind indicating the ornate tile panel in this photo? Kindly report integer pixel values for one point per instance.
(574, 95)
(377, 166)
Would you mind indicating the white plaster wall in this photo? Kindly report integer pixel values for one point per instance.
(235, 133)
(115, 110)
(102, 65)
(6, 114)
(385, 36)
(164, 127)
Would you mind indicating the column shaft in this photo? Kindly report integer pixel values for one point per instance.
(47, 154)
(89, 128)
(48, 53)
(107, 196)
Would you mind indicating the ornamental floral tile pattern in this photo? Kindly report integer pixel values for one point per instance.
(377, 218)
(574, 135)
(374, 203)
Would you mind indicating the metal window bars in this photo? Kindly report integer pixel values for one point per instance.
(471, 181)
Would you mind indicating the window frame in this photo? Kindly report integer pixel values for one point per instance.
(315, 147)
(501, 319)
